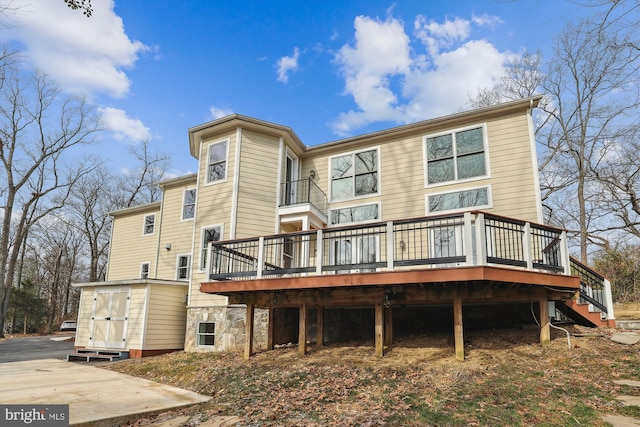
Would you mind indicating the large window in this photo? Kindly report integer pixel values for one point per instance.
(355, 214)
(475, 198)
(455, 156)
(354, 175)
(210, 234)
(183, 267)
(217, 161)
(189, 204)
(206, 333)
(149, 224)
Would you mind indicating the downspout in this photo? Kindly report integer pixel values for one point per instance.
(281, 154)
(534, 160)
(195, 223)
(113, 223)
(236, 184)
(161, 214)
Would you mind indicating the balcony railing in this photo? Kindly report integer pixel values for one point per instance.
(465, 239)
(303, 191)
(593, 289)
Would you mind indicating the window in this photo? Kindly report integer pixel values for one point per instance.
(354, 175)
(144, 270)
(189, 204)
(455, 156)
(209, 235)
(217, 162)
(354, 214)
(475, 198)
(206, 333)
(149, 224)
(183, 267)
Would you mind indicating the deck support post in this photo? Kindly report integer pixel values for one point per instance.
(388, 326)
(248, 331)
(320, 326)
(302, 330)
(457, 327)
(545, 329)
(270, 327)
(379, 329)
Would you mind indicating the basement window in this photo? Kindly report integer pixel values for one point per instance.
(206, 335)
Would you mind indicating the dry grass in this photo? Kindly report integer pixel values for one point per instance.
(507, 379)
(627, 311)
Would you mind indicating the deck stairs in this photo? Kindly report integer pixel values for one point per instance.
(89, 355)
(582, 314)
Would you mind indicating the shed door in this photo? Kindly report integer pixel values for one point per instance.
(110, 317)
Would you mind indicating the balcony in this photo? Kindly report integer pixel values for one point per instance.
(303, 198)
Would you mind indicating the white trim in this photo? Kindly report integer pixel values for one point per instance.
(379, 204)
(281, 154)
(353, 153)
(194, 226)
(534, 165)
(144, 225)
(145, 310)
(489, 204)
(487, 162)
(236, 185)
(202, 229)
(226, 166)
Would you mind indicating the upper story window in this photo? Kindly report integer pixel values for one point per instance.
(189, 204)
(459, 200)
(149, 224)
(210, 234)
(144, 270)
(183, 266)
(456, 156)
(355, 214)
(217, 161)
(354, 175)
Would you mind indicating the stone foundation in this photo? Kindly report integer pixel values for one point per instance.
(229, 329)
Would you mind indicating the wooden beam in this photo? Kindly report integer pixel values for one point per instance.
(457, 328)
(320, 326)
(270, 326)
(379, 329)
(302, 330)
(248, 331)
(545, 329)
(388, 325)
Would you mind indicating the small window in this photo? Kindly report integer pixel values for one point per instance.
(217, 162)
(476, 198)
(355, 214)
(189, 204)
(209, 235)
(183, 268)
(144, 270)
(206, 333)
(149, 224)
(455, 156)
(354, 175)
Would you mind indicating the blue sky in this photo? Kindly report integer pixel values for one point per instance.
(327, 69)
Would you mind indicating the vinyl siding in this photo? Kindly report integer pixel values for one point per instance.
(136, 323)
(258, 185)
(166, 320)
(129, 247)
(85, 312)
(175, 231)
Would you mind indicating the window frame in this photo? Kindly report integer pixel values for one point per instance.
(353, 154)
(489, 204)
(144, 225)
(187, 267)
(205, 334)
(184, 203)
(226, 141)
(148, 273)
(456, 180)
(205, 252)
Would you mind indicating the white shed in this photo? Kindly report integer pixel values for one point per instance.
(145, 317)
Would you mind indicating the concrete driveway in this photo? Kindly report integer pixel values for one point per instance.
(95, 396)
(32, 348)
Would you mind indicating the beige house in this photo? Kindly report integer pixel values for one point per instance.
(371, 237)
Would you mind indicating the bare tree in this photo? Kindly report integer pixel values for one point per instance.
(38, 128)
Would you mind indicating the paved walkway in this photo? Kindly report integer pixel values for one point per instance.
(622, 421)
(95, 395)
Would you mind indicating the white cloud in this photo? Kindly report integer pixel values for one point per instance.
(216, 112)
(124, 127)
(390, 81)
(84, 55)
(286, 64)
(486, 19)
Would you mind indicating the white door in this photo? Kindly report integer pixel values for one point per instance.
(110, 318)
(364, 251)
(291, 176)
